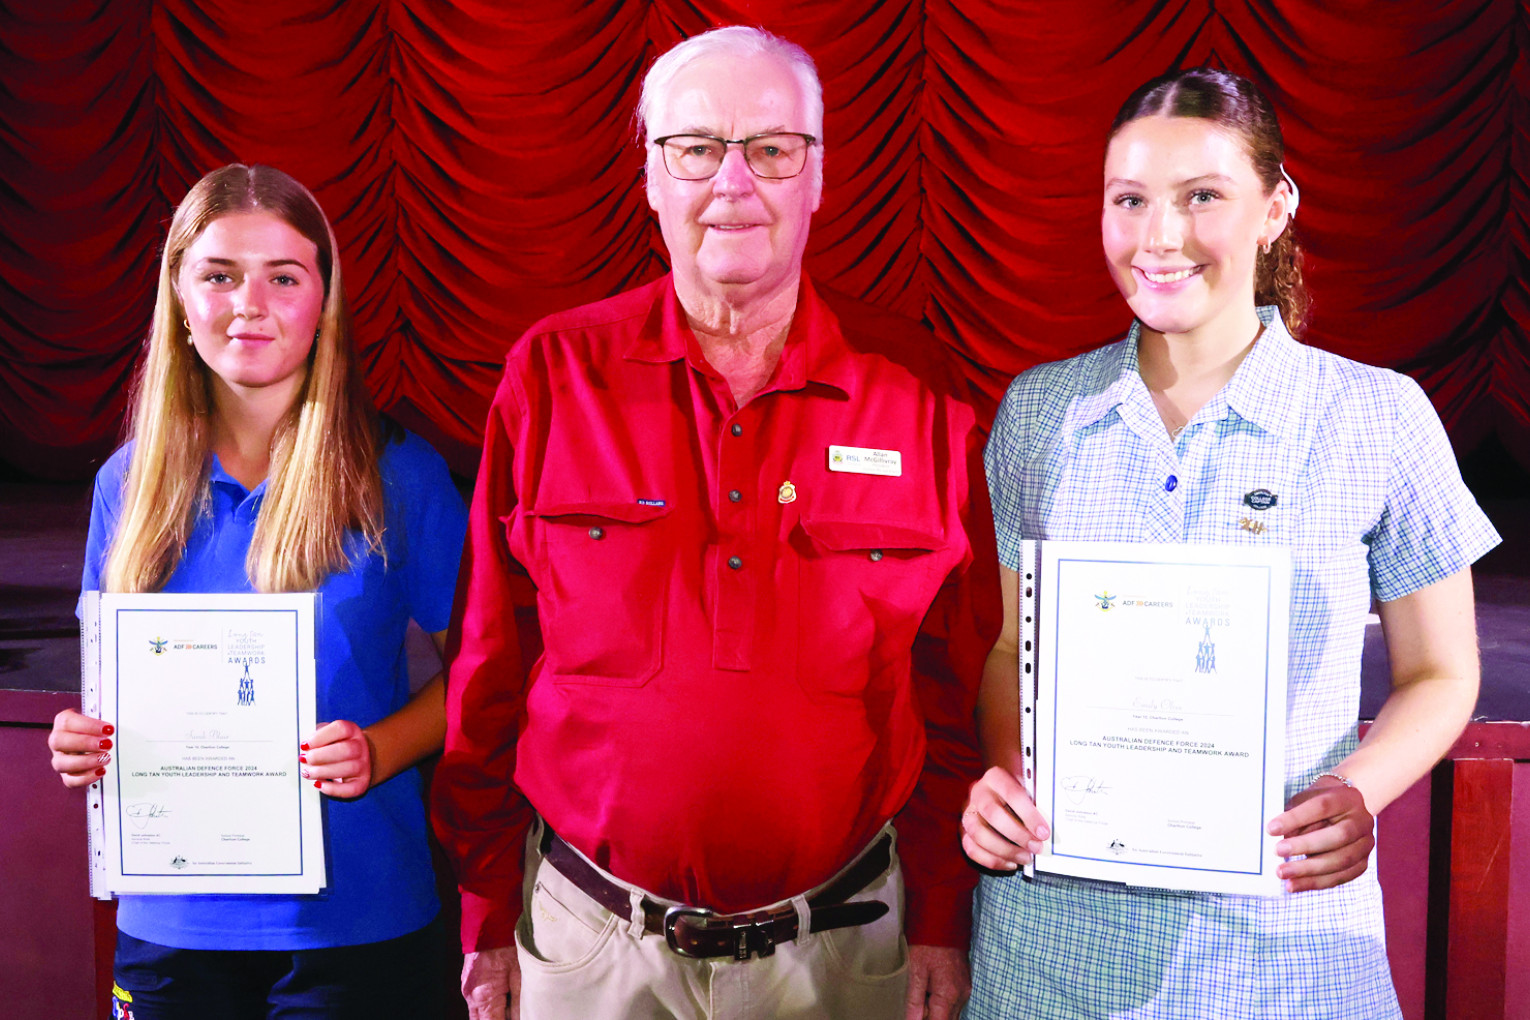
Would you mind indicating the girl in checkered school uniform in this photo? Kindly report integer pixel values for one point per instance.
(1168, 436)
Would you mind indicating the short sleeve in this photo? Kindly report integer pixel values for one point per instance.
(105, 506)
(1004, 464)
(1431, 526)
(435, 522)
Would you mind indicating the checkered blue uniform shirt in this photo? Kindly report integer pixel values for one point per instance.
(1370, 501)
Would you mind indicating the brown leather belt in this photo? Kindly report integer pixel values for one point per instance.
(702, 933)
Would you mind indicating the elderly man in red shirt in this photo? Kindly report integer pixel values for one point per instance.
(755, 519)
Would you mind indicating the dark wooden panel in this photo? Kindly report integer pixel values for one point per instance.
(1402, 867)
(47, 958)
(35, 708)
(1517, 956)
(1481, 843)
(1494, 740)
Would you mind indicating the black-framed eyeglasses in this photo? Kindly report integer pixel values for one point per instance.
(773, 157)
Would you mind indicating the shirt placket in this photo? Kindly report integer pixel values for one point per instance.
(234, 521)
(1162, 479)
(735, 560)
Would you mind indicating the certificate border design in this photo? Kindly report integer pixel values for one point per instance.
(1052, 586)
(297, 649)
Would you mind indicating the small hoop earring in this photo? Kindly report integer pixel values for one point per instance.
(1264, 246)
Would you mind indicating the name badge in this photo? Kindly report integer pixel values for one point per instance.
(860, 460)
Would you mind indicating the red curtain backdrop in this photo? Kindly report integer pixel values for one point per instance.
(478, 163)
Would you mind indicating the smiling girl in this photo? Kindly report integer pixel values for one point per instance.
(256, 462)
(1169, 436)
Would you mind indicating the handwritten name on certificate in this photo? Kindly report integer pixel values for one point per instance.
(210, 695)
(1160, 712)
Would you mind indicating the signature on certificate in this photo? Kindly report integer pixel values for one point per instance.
(1081, 788)
(1155, 705)
(142, 812)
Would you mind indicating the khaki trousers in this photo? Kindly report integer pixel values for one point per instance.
(579, 961)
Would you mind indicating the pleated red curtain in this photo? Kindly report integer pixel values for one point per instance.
(478, 162)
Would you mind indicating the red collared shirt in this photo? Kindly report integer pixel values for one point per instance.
(751, 661)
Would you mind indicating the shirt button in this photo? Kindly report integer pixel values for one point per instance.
(735, 563)
(1170, 484)
(597, 533)
(876, 555)
(736, 429)
(734, 495)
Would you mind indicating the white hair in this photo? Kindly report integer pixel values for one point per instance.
(739, 41)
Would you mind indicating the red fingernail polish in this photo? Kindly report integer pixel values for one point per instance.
(303, 747)
(106, 745)
(303, 758)
(319, 783)
(108, 729)
(100, 772)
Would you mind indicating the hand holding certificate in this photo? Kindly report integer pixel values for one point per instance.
(209, 696)
(1154, 720)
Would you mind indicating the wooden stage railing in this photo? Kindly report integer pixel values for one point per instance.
(1454, 864)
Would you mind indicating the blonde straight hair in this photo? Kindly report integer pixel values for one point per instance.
(323, 483)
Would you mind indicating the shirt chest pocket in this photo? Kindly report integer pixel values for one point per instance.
(605, 570)
(863, 589)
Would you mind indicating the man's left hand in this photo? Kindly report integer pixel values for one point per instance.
(938, 982)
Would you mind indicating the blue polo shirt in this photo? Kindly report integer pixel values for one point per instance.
(381, 884)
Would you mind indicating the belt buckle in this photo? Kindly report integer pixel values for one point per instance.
(672, 917)
(742, 934)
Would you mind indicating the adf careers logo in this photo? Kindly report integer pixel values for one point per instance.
(158, 644)
(1105, 601)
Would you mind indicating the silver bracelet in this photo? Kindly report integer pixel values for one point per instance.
(1334, 775)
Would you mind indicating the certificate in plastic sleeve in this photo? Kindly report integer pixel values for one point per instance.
(1153, 693)
(210, 696)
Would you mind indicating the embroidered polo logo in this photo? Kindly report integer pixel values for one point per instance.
(1260, 499)
(787, 493)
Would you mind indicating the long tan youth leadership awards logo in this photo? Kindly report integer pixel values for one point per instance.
(246, 648)
(1207, 608)
(1206, 653)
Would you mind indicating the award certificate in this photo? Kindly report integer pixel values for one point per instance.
(210, 696)
(1156, 722)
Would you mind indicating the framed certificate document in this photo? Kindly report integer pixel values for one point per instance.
(210, 696)
(1153, 708)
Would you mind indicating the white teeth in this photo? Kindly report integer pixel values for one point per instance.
(1174, 277)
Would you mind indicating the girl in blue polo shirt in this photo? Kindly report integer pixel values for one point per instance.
(256, 462)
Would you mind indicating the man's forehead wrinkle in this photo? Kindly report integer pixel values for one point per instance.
(715, 96)
(712, 132)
